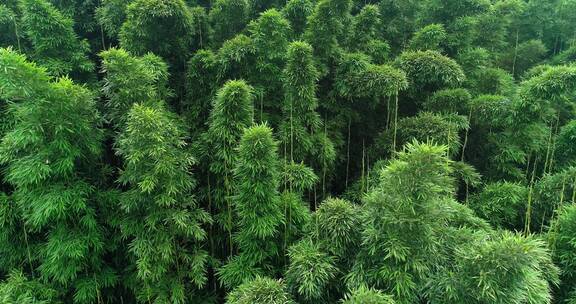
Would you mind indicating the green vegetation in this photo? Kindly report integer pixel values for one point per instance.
(297, 152)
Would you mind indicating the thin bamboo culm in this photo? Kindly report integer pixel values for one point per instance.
(527, 220)
(395, 121)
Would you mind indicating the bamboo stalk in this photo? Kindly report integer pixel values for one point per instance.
(527, 174)
(554, 221)
(363, 163)
(551, 163)
(229, 210)
(102, 37)
(466, 134)
(28, 249)
(574, 191)
(515, 54)
(367, 172)
(527, 220)
(210, 211)
(291, 132)
(387, 112)
(348, 152)
(548, 149)
(324, 162)
(17, 35)
(395, 122)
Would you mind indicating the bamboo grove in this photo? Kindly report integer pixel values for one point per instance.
(283, 152)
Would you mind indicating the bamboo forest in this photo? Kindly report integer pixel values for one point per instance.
(288, 151)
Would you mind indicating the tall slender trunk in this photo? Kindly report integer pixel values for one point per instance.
(17, 35)
(291, 132)
(201, 42)
(548, 145)
(574, 191)
(363, 172)
(395, 121)
(551, 162)
(527, 173)
(211, 225)
(553, 223)
(102, 37)
(229, 210)
(387, 112)
(515, 54)
(448, 133)
(28, 249)
(324, 165)
(528, 219)
(367, 172)
(348, 152)
(261, 107)
(466, 134)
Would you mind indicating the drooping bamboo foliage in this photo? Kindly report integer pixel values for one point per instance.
(397, 259)
(166, 247)
(404, 151)
(260, 291)
(311, 271)
(159, 26)
(227, 18)
(301, 128)
(129, 80)
(47, 156)
(257, 207)
(480, 268)
(367, 295)
(55, 44)
(562, 243)
(232, 112)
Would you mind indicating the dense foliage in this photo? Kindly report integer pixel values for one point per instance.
(299, 151)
